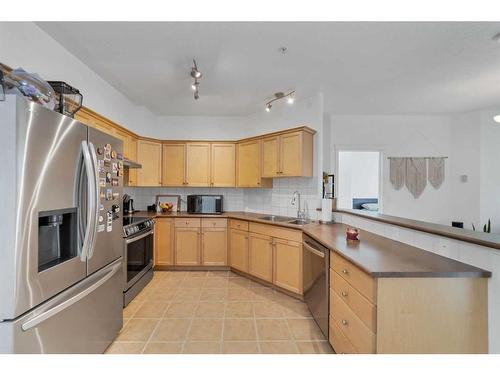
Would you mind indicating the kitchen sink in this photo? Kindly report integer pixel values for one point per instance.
(299, 222)
(275, 218)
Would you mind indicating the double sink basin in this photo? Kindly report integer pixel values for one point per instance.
(285, 219)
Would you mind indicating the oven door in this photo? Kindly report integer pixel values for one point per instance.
(139, 256)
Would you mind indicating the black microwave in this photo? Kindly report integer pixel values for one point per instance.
(204, 204)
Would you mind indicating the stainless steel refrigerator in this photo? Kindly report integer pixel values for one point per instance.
(61, 245)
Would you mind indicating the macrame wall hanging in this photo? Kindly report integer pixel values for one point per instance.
(414, 173)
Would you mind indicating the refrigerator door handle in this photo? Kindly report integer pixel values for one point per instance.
(95, 208)
(70, 301)
(87, 160)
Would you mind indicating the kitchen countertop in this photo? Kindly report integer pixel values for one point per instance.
(379, 256)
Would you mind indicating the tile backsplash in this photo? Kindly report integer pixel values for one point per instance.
(275, 201)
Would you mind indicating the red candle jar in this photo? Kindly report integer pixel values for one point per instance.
(352, 234)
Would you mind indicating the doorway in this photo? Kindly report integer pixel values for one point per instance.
(359, 180)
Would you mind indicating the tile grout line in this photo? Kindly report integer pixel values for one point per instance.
(256, 330)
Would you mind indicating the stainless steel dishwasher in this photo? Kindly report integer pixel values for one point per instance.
(316, 264)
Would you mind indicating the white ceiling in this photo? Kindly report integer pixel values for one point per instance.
(361, 67)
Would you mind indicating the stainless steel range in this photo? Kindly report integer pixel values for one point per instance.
(138, 255)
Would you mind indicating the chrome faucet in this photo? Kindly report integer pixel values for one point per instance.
(301, 215)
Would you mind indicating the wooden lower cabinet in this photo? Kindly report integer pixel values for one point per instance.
(164, 242)
(187, 246)
(260, 257)
(405, 315)
(214, 246)
(238, 255)
(288, 265)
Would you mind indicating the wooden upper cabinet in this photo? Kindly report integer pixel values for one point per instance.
(174, 164)
(84, 117)
(249, 165)
(164, 242)
(223, 165)
(270, 157)
(198, 164)
(132, 155)
(125, 138)
(149, 156)
(288, 155)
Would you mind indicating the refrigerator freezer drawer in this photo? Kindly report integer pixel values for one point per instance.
(83, 319)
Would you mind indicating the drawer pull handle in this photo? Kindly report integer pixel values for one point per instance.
(344, 294)
(345, 322)
(344, 271)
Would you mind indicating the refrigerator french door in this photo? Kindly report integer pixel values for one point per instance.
(63, 229)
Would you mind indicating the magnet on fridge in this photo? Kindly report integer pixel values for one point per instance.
(120, 165)
(101, 195)
(100, 163)
(101, 228)
(99, 150)
(109, 194)
(116, 195)
(119, 156)
(108, 177)
(114, 182)
(101, 207)
(113, 154)
(100, 219)
(114, 167)
(102, 182)
(119, 173)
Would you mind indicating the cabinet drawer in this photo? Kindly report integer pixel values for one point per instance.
(351, 326)
(363, 308)
(188, 222)
(363, 282)
(276, 231)
(239, 224)
(213, 223)
(338, 341)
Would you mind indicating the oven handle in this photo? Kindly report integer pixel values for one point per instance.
(139, 237)
(313, 250)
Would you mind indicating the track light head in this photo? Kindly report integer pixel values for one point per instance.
(268, 107)
(290, 99)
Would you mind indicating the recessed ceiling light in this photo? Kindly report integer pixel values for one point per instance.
(496, 118)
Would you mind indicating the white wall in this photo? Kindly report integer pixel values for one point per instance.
(358, 176)
(24, 44)
(490, 171)
(399, 136)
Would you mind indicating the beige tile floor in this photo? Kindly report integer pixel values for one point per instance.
(209, 312)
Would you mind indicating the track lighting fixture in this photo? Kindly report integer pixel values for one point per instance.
(281, 95)
(196, 74)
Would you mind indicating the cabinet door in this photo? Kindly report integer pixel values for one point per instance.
(84, 117)
(103, 125)
(132, 155)
(270, 157)
(125, 138)
(238, 255)
(288, 265)
(223, 165)
(187, 246)
(174, 164)
(214, 246)
(291, 154)
(260, 257)
(164, 242)
(249, 164)
(149, 156)
(198, 164)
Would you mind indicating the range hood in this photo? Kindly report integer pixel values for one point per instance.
(131, 164)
